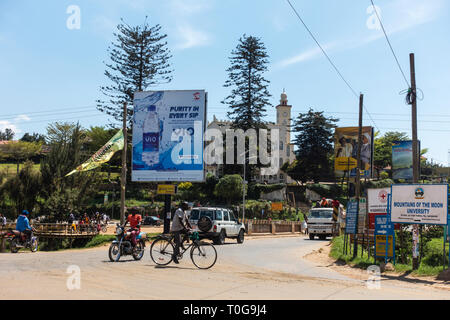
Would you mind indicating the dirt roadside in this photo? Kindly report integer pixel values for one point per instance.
(322, 258)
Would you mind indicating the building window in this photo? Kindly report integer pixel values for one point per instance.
(281, 145)
(281, 162)
(281, 177)
(288, 150)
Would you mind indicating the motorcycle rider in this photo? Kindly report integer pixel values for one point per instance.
(23, 225)
(180, 224)
(135, 224)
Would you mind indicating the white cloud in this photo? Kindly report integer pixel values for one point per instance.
(191, 38)
(398, 16)
(22, 117)
(4, 124)
(304, 56)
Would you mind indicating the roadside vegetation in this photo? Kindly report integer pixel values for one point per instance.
(431, 262)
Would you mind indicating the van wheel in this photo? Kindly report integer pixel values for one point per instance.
(311, 236)
(240, 237)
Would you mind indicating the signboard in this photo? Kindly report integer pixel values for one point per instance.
(168, 129)
(345, 150)
(166, 189)
(350, 218)
(402, 160)
(378, 200)
(384, 227)
(419, 204)
(380, 246)
(277, 206)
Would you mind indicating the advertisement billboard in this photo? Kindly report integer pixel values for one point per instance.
(168, 129)
(402, 160)
(419, 204)
(345, 151)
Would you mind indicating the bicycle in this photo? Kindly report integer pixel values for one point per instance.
(203, 254)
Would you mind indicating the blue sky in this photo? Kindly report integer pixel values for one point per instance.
(50, 72)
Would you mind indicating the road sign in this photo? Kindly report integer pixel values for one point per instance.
(350, 218)
(384, 236)
(167, 189)
(377, 200)
(277, 206)
(420, 204)
(380, 246)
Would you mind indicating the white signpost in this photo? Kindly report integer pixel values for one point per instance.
(419, 204)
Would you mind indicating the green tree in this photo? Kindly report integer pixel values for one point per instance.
(249, 96)
(139, 59)
(229, 188)
(35, 137)
(314, 142)
(7, 135)
(23, 188)
(19, 151)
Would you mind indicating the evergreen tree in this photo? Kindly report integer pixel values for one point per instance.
(7, 135)
(139, 60)
(314, 142)
(249, 95)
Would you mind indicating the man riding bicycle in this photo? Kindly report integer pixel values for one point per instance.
(180, 225)
(23, 224)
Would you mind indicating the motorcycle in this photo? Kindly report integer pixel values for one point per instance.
(19, 240)
(122, 246)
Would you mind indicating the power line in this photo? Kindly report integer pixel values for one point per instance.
(329, 60)
(390, 45)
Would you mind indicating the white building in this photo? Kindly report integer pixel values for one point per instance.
(286, 147)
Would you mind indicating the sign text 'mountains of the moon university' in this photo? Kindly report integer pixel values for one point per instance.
(420, 204)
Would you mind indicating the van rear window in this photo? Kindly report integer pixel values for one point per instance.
(321, 214)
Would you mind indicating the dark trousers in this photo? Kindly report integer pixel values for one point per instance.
(177, 240)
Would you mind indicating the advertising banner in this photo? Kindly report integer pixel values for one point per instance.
(168, 129)
(419, 204)
(345, 151)
(276, 206)
(402, 160)
(167, 189)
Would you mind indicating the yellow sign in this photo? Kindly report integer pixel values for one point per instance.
(380, 246)
(277, 206)
(167, 189)
(344, 163)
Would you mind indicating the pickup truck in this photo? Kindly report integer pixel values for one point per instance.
(320, 223)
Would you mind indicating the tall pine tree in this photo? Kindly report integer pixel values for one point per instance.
(139, 59)
(249, 95)
(314, 142)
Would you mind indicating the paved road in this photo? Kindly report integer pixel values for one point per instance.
(263, 268)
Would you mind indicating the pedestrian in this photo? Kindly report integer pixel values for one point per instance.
(2, 220)
(305, 223)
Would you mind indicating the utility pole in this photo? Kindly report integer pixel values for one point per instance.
(123, 175)
(415, 151)
(358, 167)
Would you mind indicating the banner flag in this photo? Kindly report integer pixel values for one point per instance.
(104, 154)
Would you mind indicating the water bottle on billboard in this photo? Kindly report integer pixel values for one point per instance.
(150, 141)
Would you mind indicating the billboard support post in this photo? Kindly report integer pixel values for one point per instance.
(358, 167)
(415, 152)
(167, 210)
(123, 175)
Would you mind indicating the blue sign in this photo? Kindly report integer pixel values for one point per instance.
(350, 219)
(383, 225)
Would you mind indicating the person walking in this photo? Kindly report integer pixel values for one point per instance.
(305, 223)
(180, 225)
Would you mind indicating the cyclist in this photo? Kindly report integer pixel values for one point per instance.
(180, 225)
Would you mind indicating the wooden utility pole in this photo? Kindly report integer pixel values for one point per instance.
(123, 175)
(358, 167)
(415, 151)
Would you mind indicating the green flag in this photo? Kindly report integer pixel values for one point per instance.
(103, 155)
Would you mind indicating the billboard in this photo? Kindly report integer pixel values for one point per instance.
(345, 151)
(419, 204)
(168, 129)
(402, 160)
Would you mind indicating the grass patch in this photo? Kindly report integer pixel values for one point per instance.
(431, 264)
(99, 239)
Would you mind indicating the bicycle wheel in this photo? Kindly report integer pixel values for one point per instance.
(161, 252)
(203, 255)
